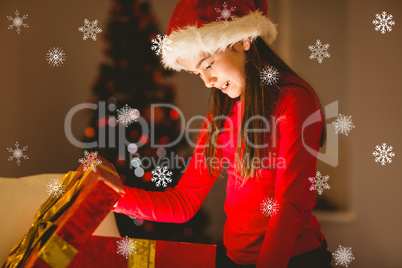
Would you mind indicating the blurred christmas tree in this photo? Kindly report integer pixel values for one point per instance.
(134, 78)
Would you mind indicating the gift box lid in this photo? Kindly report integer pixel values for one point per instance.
(64, 223)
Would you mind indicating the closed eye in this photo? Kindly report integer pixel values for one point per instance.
(206, 68)
(209, 66)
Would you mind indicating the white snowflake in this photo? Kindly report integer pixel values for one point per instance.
(55, 188)
(269, 75)
(343, 256)
(383, 22)
(269, 207)
(17, 153)
(161, 44)
(319, 51)
(319, 183)
(18, 22)
(383, 154)
(126, 247)
(161, 175)
(55, 56)
(88, 159)
(343, 124)
(127, 115)
(90, 29)
(225, 13)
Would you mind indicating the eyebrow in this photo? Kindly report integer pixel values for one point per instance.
(199, 64)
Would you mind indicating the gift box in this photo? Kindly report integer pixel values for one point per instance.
(61, 235)
(67, 219)
(102, 251)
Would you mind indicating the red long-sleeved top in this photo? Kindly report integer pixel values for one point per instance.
(251, 236)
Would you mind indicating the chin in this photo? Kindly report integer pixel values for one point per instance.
(234, 95)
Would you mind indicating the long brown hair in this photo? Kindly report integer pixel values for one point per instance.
(258, 99)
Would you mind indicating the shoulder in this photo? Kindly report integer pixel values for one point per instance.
(297, 96)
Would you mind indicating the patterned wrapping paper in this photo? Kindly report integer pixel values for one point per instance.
(63, 224)
(102, 251)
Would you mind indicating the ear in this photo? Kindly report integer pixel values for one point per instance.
(245, 43)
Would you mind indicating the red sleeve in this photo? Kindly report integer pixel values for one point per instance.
(291, 185)
(180, 204)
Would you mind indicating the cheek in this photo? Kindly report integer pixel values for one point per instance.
(231, 71)
(237, 75)
(236, 68)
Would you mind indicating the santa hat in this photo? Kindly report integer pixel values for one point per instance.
(211, 25)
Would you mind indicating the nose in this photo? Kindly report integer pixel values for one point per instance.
(210, 81)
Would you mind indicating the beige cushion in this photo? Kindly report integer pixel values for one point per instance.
(20, 199)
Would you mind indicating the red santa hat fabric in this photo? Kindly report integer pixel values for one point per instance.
(211, 25)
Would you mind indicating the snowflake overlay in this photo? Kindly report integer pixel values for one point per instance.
(319, 183)
(269, 75)
(55, 188)
(18, 22)
(161, 44)
(127, 115)
(17, 153)
(55, 56)
(319, 51)
(126, 247)
(90, 29)
(383, 154)
(161, 175)
(88, 161)
(343, 256)
(383, 23)
(343, 124)
(269, 207)
(225, 13)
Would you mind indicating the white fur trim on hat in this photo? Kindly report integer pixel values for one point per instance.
(189, 42)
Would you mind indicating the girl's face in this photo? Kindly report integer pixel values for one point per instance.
(223, 70)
